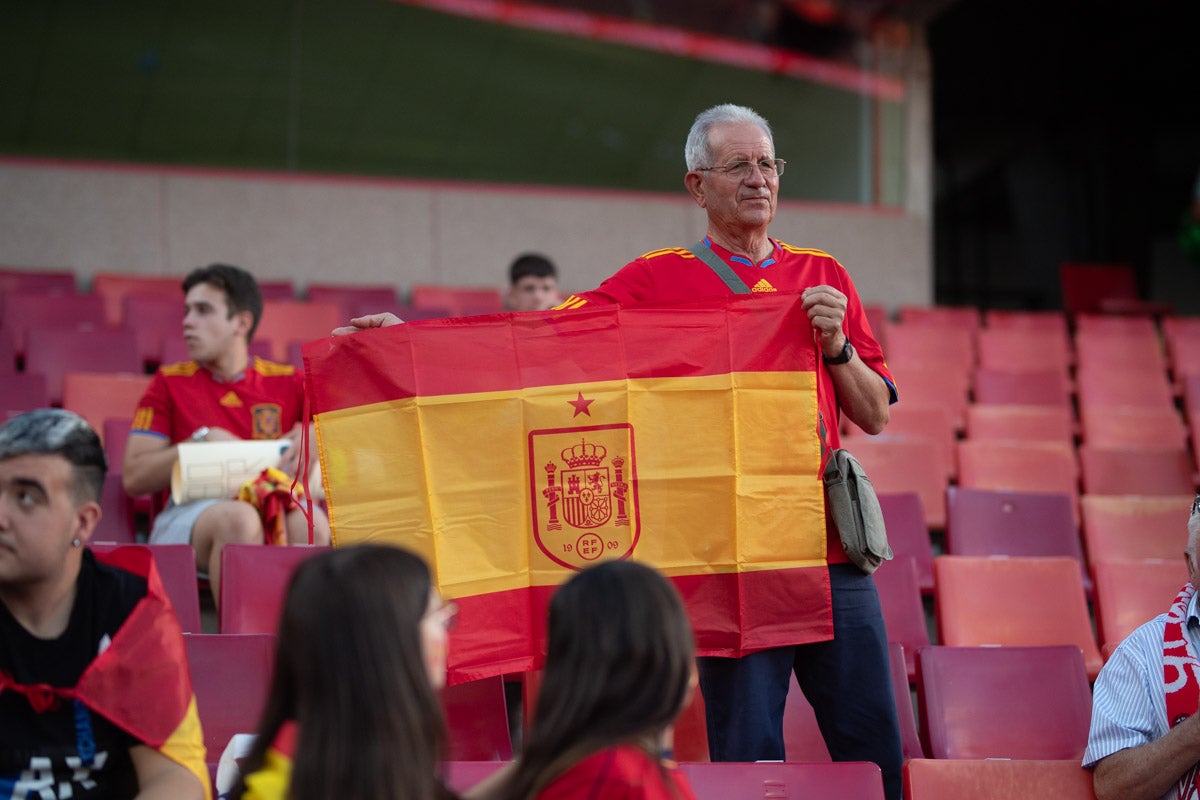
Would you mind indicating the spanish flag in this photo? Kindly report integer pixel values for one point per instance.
(512, 449)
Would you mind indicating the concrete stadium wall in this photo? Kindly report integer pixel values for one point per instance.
(307, 228)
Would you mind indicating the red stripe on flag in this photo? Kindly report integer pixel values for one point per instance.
(766, 333)
(496, 632)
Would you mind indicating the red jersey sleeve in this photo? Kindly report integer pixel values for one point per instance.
(155, 409)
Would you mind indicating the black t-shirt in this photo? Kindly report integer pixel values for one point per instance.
(67, 751)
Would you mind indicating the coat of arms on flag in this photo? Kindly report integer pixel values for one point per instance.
(512, 449)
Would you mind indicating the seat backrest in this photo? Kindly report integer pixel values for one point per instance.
(55, 352)
(117, 522)
(101, 396)
(1017, 348)
(1102, 349)
(1020, 466)
(930, 385)
(901, 465)
(477, 721)
(802, 737)
(254, 578)
(231, 677)
(967, 317)
(847, 779)
(1023, 422)
(954, 779)
(1129, 593)
(177, 569)
(1132, 385)
(903, 612)
(1004, 387)
(354, 301)
(22, 311)
(1017, 600)
(1121, 426)
(284, 321)
(156, 318)
(1117, 527)
(994, 522)
(1003, 702)
(112, 288)
(1140, 471)
(931, 345)
(49, 281)
(457, 300)
(21, 392)
(929, 421)
(907, 533)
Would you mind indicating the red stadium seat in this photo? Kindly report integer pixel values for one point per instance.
(955, 779)
(901, 465)
(1119, 527)
(156, 318)
(477, 721)
(354, 301)
(1000, 387)
(931, 345)
(21, 392)
(49, 281)
(1019, 467)
(1141, 471)
(55, 352)
(117, 523)
(1017, 349)
(112, 288)
(1026, 422)
(932, 422)
(847, 779)
(1133, 385)
(231, 677)
(101, 396)
(985, 702)
(254, 578)
(177, 568)
(1018, 600)
(1129, 593)
(908, 535)
(21, 312)
(459, 301)
(1120, 426)
(284, 321)
(903, 612)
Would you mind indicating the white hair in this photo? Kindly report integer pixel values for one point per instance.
(696, 152)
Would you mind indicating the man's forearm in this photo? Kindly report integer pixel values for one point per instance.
(1149, 771)
(862, 394)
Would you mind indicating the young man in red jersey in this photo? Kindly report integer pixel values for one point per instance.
(220, 395)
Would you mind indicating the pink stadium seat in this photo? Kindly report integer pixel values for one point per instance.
(1018, 600)
(22, 311)
(55, 352)
(931, 345)
(354, 301)
(908, 534)
(1033, 423)
(907, 465)
(722, 781)
(1005, 319)
(116, 520)
(155, 318)
(1102, 350)
(932, 422)
(1003, 702)
(1019, 467)
(1043, 388)
(955, 779)
(989, 522)
(903, 613)
(1019, 349)
(931, 385)
(457, 300)
(49, 281)
(100, 396)
(477, 721)
(20, 392)
(1132, 385)
(1143, 471)
(967, 317)
(231, 676)
(1121, 426)
(284, 321)
(1134, 325)
(112, 288)
(1129, 593)
(1119, 527)
(254, 579)
(277, 290)
(177, 568)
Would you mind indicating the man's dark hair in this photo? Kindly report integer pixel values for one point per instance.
(240, 288)
(58, 432)
(534, 264)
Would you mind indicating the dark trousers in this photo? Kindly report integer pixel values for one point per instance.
(847, 681)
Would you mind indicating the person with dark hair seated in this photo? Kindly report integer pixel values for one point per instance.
(619, 670)
(95, 697)
(353, 711)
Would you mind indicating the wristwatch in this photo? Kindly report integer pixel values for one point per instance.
(201, 434)
(842, 357)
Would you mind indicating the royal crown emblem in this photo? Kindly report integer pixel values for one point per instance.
(584, 493)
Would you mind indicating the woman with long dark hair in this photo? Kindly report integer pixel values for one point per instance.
(619, 670)
(353, 711)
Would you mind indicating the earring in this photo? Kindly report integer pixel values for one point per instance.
(76, 543)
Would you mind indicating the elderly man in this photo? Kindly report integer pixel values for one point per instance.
(733, 174)
(95, 699)
(1145, 737)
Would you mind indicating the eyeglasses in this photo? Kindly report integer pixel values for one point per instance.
(769, 167)
(445, 615)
